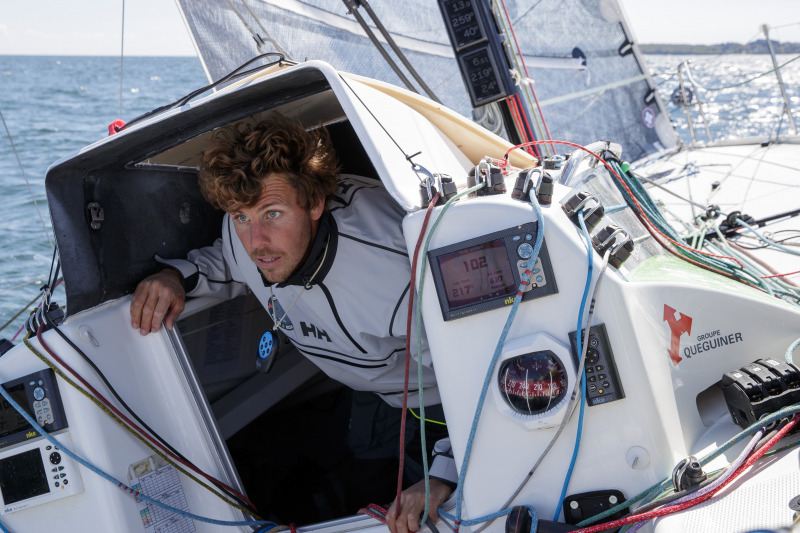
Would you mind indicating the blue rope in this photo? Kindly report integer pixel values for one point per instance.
(418, 324)
(579, 341)
(494, 516)
(487, 380)
(614, 208)
(117, 482)
(2, 527)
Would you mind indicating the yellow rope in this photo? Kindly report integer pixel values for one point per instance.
(426, 420)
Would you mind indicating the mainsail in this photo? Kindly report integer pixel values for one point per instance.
(587, 74)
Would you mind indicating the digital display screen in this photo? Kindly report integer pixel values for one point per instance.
(10, 420)
(481, 75)
(476, 274)
(463, 22)
(22, 476)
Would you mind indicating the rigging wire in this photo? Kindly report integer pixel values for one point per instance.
(36, 281)
(749, 80)
(13, 318)
(121, 57)
(519, 59)
(27, 182)
(235, 73)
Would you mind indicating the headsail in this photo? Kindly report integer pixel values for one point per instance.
(589, 78)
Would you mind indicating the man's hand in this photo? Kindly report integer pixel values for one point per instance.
(412, 505)
(157, 298)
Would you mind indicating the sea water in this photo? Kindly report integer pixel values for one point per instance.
(54, 106)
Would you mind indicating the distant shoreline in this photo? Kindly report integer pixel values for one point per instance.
(755, 47)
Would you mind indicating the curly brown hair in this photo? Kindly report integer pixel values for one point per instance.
(239, 158)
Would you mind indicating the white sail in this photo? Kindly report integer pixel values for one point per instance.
(589, 84)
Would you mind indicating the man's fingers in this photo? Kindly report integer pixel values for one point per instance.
(136, 307)
(175, 310)
(157, 298)
(433, 513)
(390, 518)
(412, 520)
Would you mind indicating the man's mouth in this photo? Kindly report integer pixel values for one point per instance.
(266, 262)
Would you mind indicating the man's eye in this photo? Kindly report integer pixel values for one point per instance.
(240, 218)
(273, 214)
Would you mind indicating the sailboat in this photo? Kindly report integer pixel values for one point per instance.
(630, 375)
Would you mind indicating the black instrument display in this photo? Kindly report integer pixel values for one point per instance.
(38, 394)
(484, 273)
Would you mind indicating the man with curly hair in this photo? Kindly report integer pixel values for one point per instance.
(311, 237)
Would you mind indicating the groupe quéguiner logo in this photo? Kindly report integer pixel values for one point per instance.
(680, 324)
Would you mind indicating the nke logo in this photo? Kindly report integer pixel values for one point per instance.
(677, 327)
(30, 434)
(312, 331)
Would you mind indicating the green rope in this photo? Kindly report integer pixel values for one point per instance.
(418, 297)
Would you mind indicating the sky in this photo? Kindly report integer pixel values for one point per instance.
(155, 27)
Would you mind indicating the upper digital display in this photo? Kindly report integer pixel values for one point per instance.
(10, 419)
(463, 22)
(476, 274)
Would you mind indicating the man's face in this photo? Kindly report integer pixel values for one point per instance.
(277, 232)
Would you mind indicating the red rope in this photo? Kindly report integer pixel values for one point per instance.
(375, 511)
(781, 275)
(411, 290)
(515, 114)
(680, 507)
(512, 107)
(525, 69)
(132, 425)
(525, 120)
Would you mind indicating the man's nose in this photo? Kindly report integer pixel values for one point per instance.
(259, 235)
